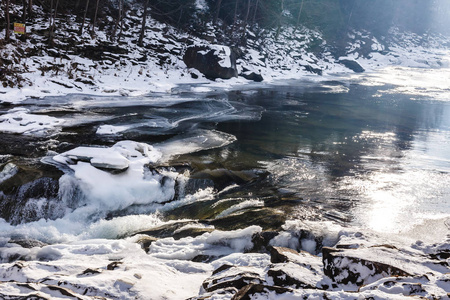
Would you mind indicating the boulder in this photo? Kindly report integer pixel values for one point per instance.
(352, 65)
(214, 61)
(356, 266)
(295, 269)
(311, 69)
(251, 75)
(228, 276)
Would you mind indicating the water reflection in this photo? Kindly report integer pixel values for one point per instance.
(370, 156)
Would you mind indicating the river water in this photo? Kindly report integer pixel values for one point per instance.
(371, 152)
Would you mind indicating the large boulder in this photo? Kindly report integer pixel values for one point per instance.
(214, 61)
(352, 65)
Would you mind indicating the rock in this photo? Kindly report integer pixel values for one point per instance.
(176, 230)
(250, 290)
(232, 276)
(213, 61)
(281, 254)
(294, 269)
(406, 286)
(146, 242)
(261, 241)
(89, 272)
(352, 65)
(252, 76)
(28, 243)
(350, 266)
(114, 265)
(267, 218)
(311, 69)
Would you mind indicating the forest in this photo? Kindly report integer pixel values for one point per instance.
(332, 17)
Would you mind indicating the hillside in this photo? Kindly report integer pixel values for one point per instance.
(110, 57)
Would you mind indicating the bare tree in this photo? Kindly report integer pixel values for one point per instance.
(95, 18)
(53, 21)
(80, 31)
(279, 19)
(144, 19)
(256, 10)
(119, 18)
(216, 16)
(8, 24)
(300, 10)
(24, 11)
(30, 8)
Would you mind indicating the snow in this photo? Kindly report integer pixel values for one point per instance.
(9, 170)
(20, 120)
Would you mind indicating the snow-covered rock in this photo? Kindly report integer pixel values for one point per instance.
(214, 61)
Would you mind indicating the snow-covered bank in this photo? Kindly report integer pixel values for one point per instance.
(229, 265)
(98, 66)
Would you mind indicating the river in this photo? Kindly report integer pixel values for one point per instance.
(370, 155)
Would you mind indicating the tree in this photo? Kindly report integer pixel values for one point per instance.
(144, 20)
(118, 20)
(52, 22)
(8, 24)
(80, 31)
(95, 18)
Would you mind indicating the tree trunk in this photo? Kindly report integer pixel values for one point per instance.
(299, 14)
(8, 24)
(50, 35)
(24, 11)
(80, 31)
(54, 21)
(279, 20)
(30, 8)
(144, 21)
(116, 25)
(254, 13)
(219, 4)
(121, 23)
(95, 18)
(235, 15)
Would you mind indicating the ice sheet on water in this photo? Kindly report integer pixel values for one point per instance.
(20, 120)
(194, 141)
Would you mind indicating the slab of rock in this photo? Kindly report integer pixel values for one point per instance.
(213, 61)
(232, 276)
(360, 267)
(295, 270)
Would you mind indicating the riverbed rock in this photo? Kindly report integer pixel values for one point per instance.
(267, 218)
(177, 230)
(213, 61)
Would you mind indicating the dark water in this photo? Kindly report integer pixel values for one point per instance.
(332, 150)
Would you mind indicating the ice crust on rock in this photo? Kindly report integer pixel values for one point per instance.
(119, 156)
